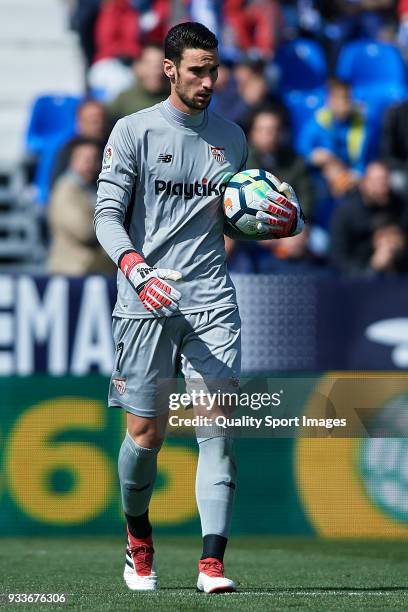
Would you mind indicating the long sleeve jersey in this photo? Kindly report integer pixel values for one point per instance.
(159, 193)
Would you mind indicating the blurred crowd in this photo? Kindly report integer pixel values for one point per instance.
(320, 88)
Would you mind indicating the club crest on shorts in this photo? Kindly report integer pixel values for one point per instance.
(119, 384)
(107, 159)
(218, 154)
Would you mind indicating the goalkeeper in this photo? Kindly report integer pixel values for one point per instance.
(159, 217)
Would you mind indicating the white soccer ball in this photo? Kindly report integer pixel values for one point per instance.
(243, 191)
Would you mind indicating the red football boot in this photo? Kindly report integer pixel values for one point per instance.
(211, 577)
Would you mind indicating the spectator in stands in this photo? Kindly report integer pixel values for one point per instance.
(345, 20)
(254, 25)
(290, 256)
(394, 147)
(270, 149)
(150, 85)
(370, 228)
(226, 100)
(338, 134)
(124, 27)
(338, 142)
(252, 90)
(92, 123)
(74, 249)
(390, 248)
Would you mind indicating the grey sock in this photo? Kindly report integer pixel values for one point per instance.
(215, 484)
(137, 468)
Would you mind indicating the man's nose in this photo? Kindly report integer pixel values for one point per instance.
(207, 82)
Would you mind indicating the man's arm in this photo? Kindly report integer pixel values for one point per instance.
(115, 189)
(115, 186)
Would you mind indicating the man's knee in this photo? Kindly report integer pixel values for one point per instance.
(146, 432)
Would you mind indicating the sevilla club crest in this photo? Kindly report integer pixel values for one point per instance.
(218, 154)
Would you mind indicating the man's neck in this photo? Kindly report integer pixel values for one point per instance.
(196, 121)
(181, 106)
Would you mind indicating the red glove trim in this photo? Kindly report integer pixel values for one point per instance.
(128, 261)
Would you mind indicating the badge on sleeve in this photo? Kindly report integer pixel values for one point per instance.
(107, 159)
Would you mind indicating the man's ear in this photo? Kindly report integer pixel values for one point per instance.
(169, 69)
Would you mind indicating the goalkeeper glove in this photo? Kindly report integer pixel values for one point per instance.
(280, 214)
(156, 296)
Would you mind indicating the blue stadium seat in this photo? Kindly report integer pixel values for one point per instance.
(50, 117)
(377, 98)
(302, 65)
(301, 106)
(369, 62)
(42, 177)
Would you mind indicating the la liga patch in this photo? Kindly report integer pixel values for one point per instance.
(107, 159)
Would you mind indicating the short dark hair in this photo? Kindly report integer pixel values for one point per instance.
(336, 83)
(190, 35)
(87, 102)
(276, 109)
(80, 141)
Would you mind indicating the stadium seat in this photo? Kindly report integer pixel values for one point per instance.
(376, 98)
(369, 62)
(302, 105)
(302, 65)
(42, 177)
(50, 117)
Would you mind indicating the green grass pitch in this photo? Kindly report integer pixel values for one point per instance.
(272, 574)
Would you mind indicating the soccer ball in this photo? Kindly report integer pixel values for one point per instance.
(243, 190)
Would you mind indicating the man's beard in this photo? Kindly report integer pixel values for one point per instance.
(190, 103)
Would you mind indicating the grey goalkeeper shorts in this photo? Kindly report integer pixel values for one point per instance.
(151, 353)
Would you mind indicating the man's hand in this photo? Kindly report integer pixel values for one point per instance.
(156, 296)
(280, 214)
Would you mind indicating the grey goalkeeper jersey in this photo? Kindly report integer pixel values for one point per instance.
(159, 193)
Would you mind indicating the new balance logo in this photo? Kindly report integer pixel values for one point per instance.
(165, 157)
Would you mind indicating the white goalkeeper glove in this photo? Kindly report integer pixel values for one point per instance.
(157, 297)
(280, 214)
